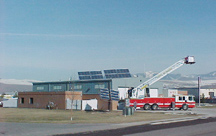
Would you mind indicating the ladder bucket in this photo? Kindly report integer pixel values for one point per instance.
(189, 60)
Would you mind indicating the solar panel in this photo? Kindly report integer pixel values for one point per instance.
(111, 73)
(97, 77)
(117, 73)
(84, 77)
(95, 72)
(87, 75)
(84, 73)
(122, 71)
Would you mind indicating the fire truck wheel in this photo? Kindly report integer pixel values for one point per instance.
(154, 107)
(185, 107)
(146, 107)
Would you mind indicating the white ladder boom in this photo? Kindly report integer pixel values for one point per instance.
(140, 89)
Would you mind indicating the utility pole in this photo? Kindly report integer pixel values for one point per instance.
(109, 101)
(72, 91)
(199, 89)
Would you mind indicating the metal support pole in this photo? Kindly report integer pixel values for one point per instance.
(199, 89)
(72, 95)
(109, 102)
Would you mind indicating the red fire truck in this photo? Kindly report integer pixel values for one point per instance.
(179, 101)
(139, 96)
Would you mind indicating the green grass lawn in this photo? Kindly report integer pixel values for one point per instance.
(64, 116)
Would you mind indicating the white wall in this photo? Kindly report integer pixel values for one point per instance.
(153, 92)
(172, 92)
(76, 104)
(134, 82)
(90, 104)
(10, 103)
(206, 92)
(123, 93)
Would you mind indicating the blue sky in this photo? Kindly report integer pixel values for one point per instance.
(53, 40)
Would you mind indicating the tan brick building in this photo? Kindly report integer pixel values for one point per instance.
(42, 99)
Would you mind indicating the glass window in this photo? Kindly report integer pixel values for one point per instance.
(183, 97)
(40, 88)
(57, 87)
(77, 86)
(99, 86)
(31, 101)
(180, 98)
(22, 100)
(190, 98)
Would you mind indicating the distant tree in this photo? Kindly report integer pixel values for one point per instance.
(2, 96)
(15, 95)
(203, 98)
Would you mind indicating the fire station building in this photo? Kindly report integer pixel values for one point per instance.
(73, 93)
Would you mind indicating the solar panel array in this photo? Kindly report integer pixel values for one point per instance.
(109, 74)
(87, 75)
(117, 73)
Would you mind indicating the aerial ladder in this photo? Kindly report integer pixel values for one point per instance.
(139, 91)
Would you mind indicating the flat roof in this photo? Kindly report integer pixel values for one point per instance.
(72, 81)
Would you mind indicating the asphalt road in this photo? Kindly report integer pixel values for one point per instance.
(199, 127)
(206, 129)
(136, 128)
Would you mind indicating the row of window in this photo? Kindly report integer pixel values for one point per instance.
(190, 98)
(22, 100)
(40, 88)
(79, 87)
(57, 87)
(99, 86)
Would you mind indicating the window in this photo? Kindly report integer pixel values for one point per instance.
(180, 98)
(31, 101)
(99, 86)
(22, 100)
(40, 88)
(183, 97)
(190, 98)
(57, 87)
(77, 86)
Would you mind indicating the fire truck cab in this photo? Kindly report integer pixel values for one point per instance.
(184, 101)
